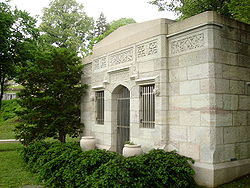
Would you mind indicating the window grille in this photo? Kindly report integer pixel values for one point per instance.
(147, 106)
(100, 107)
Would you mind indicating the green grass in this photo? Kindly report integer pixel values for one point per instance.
(243, 182)
(13, 172)
(9, 107)
(6, 129)
(8, 119)
(12, 91)
(12, 87)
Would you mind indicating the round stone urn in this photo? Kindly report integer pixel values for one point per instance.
(131, 150)
(87, 143)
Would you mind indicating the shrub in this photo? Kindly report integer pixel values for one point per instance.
(65, 165)
(33, 152)
(85, 165)
(53, 163)
(167, 168)
(155, 169)
(121, 172)
(9, 109)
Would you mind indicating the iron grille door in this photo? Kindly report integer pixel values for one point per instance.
(100, 107)
(123, 118)
(147, 106)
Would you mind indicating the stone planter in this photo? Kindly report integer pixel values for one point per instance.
(87, 143)
(131, 150)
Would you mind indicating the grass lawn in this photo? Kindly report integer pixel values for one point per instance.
(13, 172)
(6, 129)
(243, 182)
(8, 119)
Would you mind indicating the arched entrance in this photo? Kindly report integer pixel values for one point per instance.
(122, 97)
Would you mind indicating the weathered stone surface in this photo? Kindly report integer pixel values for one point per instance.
(237, 87)
(190, 118)
(189, 87)
(239, 118)
(244, 102)
(230, 102)
(224, 118)
(179, 102)
(190, 150)
(200, 71)
(231, 135)
(178, 133)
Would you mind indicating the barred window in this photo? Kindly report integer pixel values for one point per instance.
(147, 106)
(100, 107)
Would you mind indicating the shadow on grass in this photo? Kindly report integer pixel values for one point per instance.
(242, 182)
(4, 147)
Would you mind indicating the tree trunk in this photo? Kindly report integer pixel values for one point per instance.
(2, 80)
(62, 136)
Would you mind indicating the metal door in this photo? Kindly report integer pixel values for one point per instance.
(123, 118)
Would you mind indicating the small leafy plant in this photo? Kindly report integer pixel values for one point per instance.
(130, 143)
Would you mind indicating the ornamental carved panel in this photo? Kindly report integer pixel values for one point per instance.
(147, 49)
(100, 63)
(188, 43)
(120, 57)
(119, 76)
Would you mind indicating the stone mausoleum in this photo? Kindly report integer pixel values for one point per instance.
(181, 86)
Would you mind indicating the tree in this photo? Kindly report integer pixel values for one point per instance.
(66, 25)
(118, 23)
(240, 10)
(112, 27)
(51, 96)
(17, 33)
(237, 9)
(101, 25)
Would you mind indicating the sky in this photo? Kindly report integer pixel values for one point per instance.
(139, 10)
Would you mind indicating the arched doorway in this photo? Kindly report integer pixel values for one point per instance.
(122, 116)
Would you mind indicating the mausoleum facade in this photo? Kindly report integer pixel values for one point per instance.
(181, 86)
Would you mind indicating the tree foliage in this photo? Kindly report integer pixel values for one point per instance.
(112, 27)
(101, 25)
(65, 24)
(237, 9)
(240, 10)
(17, 34)
(51, 96)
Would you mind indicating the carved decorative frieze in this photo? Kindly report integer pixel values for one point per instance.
(147, 49)
(119, 76)
(100, 63)
(188, 43)
(120, 57)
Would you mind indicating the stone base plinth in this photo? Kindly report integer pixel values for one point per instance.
(212, 175)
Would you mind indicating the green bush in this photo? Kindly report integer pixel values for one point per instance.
(9, 109)
(121, 172)
(65, 165)
(54, 161)
(167, 168)
(33, 152)
(154, 169)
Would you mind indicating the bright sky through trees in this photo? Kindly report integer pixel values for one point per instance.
(140, 10)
